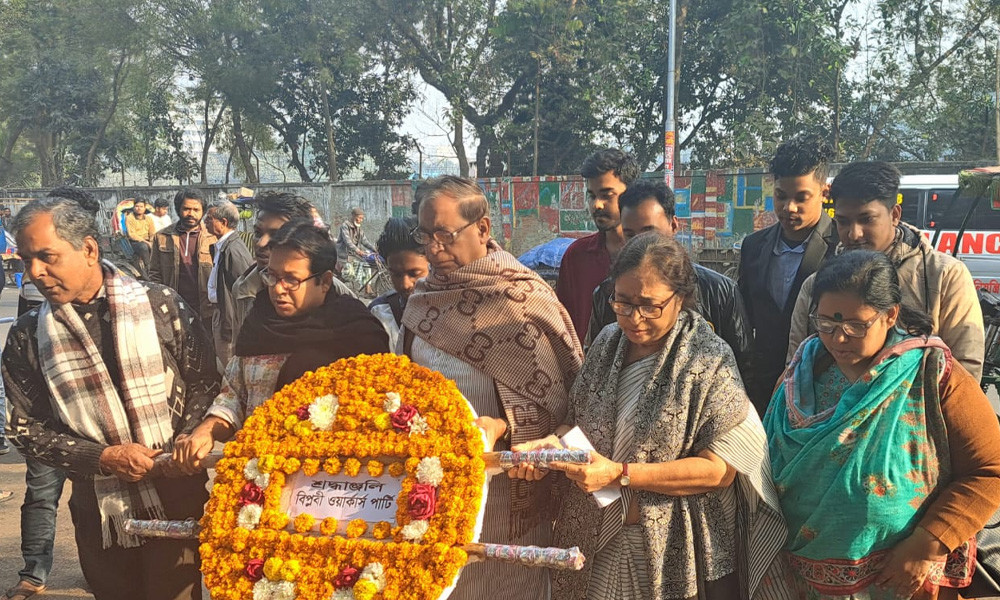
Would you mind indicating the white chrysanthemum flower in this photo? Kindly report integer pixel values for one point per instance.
(392, 402)
(283, 590)
(252, 471)
(415, 530)
(263, 589)
(323, 411)
(343, 594)
(418, 424)
(262, 480)
(429, 471)
(375, 573)
(249, 516)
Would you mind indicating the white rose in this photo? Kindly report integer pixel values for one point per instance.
(323, 411)
(263, 590)
(418, 424)
(251, 471)
(284, 590)
(429, 471)
(392, 402)
(415, 530)
(249, 516)
(375, 573)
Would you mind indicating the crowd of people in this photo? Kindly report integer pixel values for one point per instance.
(814, 430)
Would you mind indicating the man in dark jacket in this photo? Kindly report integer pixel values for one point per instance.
(230, 258)
(182, 258)
(649, 206)
(775, 261)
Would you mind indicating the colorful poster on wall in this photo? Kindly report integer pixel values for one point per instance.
(682, 203)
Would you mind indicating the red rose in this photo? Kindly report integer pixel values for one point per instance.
(251, 494)
(302, 412)
(347, 578)
(255, 569)
(402, 417)
(422, 501)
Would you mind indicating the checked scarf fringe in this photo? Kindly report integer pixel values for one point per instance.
(86, 400)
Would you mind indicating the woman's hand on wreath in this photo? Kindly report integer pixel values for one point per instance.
(531, 472)
(909, 563)
(598, 474)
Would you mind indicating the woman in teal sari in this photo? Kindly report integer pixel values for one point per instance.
(884, 450)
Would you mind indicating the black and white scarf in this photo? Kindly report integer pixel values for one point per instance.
(85, 399)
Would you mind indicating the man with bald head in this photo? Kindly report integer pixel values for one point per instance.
(649, 206)
(497, 329)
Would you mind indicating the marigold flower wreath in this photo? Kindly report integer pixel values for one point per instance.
(376, 414)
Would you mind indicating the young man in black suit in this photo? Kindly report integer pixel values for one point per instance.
(775, 261)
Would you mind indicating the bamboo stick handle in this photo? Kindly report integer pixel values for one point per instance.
(503, 461)
(568, 559)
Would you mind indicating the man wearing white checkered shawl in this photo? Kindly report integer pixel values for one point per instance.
(101, 378)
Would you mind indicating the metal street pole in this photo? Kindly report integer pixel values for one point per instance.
(670, 133)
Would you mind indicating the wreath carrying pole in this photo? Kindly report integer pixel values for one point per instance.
(495, 461)
(565, 559)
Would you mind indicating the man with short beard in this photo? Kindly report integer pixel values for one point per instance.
(274, 209)
(182, 256)
(587, 261)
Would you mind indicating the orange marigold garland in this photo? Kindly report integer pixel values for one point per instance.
(381, 414)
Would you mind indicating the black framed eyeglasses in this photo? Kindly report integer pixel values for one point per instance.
(441, 236)
(289, 283)
(854, 329)
(646, 311)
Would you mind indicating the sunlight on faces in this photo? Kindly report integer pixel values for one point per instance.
(798, 204)
(406, 267)
(853, 355)
(602, 200)
(866, 225)
(442, 213)
(648, 215)
(267, 225)
(644, 285)
(60, 272)
(191, 212)
(292, 264)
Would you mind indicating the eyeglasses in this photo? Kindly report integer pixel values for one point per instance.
(646, 311)
(441, 236)
(289, 283)
(854, 329)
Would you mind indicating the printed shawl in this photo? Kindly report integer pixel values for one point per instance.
(503, 319)
(85, 399)
(693, 399)
(856, 478)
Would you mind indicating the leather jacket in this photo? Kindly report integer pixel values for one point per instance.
(718, 301)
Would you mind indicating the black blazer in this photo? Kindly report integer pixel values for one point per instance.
(769, 322)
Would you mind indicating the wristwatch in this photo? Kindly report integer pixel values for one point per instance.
(625, 479)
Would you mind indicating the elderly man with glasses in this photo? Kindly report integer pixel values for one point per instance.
(496, 329)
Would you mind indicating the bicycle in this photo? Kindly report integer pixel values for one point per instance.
(356, 275)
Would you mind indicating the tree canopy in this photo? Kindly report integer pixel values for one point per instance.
(320, 89)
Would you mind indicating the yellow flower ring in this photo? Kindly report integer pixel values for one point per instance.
(367, 416)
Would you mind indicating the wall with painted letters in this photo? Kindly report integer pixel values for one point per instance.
(717, 209)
